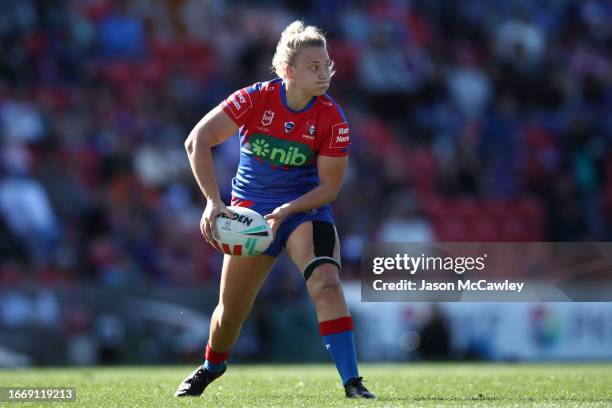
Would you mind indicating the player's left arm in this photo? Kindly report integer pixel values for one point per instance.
(331, 173)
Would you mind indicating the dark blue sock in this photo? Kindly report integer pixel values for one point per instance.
(341, 346)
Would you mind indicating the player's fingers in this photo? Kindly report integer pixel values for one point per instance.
(203, 228)
(215, 231)
(208, 232)
(273, 224)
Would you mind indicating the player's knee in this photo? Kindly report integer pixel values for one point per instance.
(228, 318)
(324, 282)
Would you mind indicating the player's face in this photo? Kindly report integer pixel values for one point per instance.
(312, 70)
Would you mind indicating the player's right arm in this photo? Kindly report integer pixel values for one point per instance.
(213, 129)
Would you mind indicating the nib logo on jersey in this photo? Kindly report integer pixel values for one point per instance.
(279, 152)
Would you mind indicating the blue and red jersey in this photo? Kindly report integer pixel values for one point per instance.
(279, 146)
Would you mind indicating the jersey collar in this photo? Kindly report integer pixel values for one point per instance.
(284, 100)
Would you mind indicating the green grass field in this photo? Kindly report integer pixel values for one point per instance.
(429, 385)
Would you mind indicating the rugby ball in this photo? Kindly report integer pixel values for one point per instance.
(247, 233)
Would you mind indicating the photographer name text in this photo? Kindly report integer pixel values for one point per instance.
(481, 285)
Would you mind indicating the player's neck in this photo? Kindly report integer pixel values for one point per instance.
(295, 98)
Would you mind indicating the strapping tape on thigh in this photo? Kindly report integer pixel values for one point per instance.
(324, 241)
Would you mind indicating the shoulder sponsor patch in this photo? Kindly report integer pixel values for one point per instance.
(340, 136)
(239, 103)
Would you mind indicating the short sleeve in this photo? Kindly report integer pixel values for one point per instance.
(239, 105)
(338, 137)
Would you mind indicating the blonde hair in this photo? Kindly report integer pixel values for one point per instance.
(294, 37)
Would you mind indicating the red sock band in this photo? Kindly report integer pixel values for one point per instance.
(339, 325)
(215, 357)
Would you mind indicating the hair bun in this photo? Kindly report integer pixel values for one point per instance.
(294, 28)
(295, 36)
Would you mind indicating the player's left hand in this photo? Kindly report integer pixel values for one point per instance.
(276, 217)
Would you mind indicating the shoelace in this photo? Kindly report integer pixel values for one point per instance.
(357, 382)
(196, 377)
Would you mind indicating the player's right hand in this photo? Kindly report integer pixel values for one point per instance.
(208, 224)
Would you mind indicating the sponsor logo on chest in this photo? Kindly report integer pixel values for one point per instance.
(279, 152)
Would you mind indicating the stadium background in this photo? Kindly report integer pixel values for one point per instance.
(484, 121)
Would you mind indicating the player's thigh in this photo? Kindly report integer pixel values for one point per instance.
(241, 278)
(301, 244)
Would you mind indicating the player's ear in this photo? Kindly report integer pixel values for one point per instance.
(288, 72)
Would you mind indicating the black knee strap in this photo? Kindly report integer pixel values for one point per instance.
(324, 241)
(315, 262)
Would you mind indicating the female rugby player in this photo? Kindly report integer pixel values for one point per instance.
(294, 143)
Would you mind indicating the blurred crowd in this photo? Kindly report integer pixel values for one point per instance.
(470, 121)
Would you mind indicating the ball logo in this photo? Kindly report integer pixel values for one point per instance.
(260, 231)
(289, 126)
(266, 120)
(250, 246)
(248, 233)
(243, 219)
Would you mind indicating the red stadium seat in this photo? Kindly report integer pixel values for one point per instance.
(450, 229)
(421, 168)
(484, 229)
(466, 208)
(530, 211)
(431, 204)
(345, 56)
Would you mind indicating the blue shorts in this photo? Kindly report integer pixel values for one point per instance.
(289, 224)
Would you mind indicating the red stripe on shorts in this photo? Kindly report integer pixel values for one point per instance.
(239, 202)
